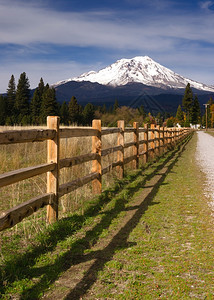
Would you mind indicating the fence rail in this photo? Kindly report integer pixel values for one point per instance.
(155, 141)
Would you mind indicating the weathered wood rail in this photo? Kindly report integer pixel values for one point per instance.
(156, 141)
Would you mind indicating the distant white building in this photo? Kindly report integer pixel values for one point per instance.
(195, 126)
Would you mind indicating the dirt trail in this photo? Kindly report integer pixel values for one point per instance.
(205, 158)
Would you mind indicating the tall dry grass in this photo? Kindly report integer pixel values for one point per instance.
(16, 156)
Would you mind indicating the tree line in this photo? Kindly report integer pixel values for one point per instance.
(20, 106)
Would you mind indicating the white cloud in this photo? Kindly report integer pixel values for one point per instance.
(26, 24)
(36, 27)
(206, 4)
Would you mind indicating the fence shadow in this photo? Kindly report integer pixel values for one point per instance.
(120, 240)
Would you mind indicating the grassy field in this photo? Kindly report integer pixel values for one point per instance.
(17, 156)
(150, 236)
(169, 252)
(211, 132)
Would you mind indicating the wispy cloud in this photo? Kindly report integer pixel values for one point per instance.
(28, 29)
(24, 25)
(207, 5)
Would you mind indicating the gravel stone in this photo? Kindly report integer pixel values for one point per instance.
(205, 159)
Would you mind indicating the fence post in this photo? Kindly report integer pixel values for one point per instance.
(169, 138)
(182, 134)
(158, 141)
(176, 135)
(136, 146)
(120, 153)
(53, 176)
(152, 144)
(146, 144)
(173, 136)
(162, 140)
(96, 164)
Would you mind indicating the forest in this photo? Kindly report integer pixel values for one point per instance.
(20, 107)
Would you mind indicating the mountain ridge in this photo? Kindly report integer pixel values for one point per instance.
(122, 80)
(140, 69)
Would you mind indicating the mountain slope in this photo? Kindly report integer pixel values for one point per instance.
(141, 69)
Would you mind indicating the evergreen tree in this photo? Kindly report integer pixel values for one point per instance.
(64, 114)
(3, 109)
(142, 111)
(180, 116)
(116, 106)
(166, 115)
(210, 102)
(196, 111)
(36, 102)
(35, 106)
(41, 88)
(159, 119)
(187, 101)
(88, 114)
(22, 99)
(49, 104)
(11, 97)
(74, 111)
(212, 115)
(110, 109)
(103, 109)
(170, 122)
(209, 115)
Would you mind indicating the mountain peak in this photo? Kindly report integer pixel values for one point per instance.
(140, 69)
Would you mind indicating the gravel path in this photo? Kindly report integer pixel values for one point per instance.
(205, 158)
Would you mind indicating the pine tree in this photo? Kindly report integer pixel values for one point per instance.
(180, 116)
(41, 88)
(88, 113)
(36, 102)
(209, 115)
(3, 109)
(35, 106)
(170, 122)
(49, 104)
(142, 111)
(11, 97)
(196, 111)
(74, 111)
(116, 106)
(212, 114)
(187, 101)
(22, 99)
(103, 109)
(64, 114)
(159, 119)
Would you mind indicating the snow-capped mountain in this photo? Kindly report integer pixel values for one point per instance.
(140, 69)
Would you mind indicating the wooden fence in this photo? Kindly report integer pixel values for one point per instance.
(155, 142)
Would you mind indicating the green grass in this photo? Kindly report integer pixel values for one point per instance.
(210, 131)
(171, 256)
(164, 249)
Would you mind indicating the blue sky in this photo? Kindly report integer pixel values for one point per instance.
(60, 39)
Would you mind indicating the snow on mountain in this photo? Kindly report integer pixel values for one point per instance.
(140, 69)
